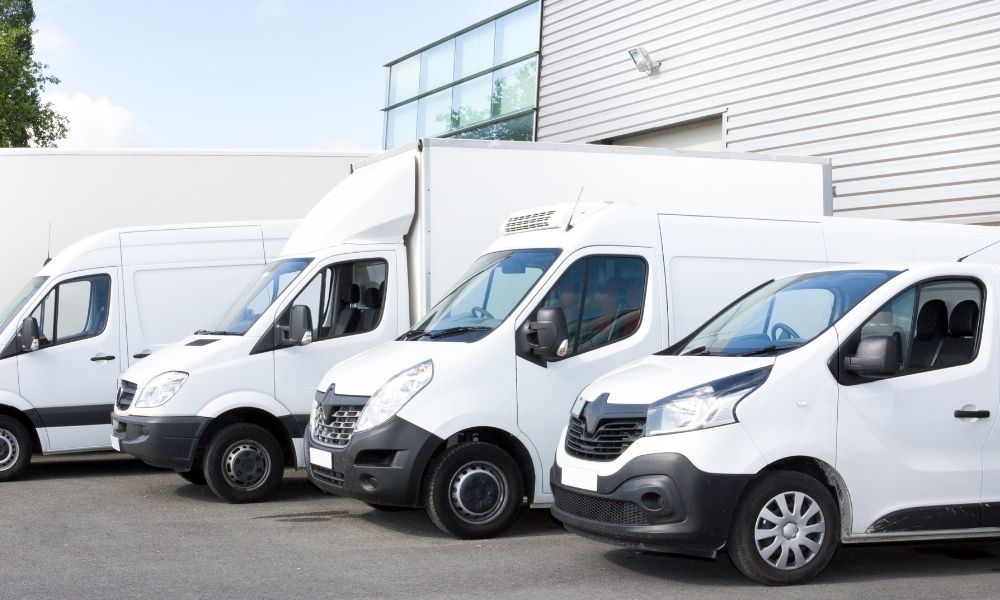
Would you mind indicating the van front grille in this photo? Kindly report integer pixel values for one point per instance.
(602, 510)
(335, 431)
(126, 393)
(613, 436)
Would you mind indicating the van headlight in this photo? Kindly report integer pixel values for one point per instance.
(708, 405)
(388, 399)
(160, 389)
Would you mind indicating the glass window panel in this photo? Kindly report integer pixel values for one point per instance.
(514, 87)
(404, 79)
(437, 65)
(474, 50)
(517, 33)
(435, 114)
(401, 125)
(472, 100)
(519, 129)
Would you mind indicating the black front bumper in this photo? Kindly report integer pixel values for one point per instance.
(656, 502)
(384, 465)
(165, 442)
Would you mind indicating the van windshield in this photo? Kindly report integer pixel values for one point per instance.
(20, 300)
(782, 314)
(259, 295)
(494, 285)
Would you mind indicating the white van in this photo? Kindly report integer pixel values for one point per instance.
(102, 304)
(462, 414)
(841, 406)
(230, 408)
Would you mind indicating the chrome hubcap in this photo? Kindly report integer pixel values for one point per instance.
(246, 465)
(9, 450)
(789, 530)
(478, 492)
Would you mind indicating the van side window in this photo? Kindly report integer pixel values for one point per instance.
(935, 325)
(344, 299)
(602, 299)
(74, 310)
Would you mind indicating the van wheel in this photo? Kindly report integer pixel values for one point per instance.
(786, 529)
(474, 490)
(196, 475)
(243, 463)
(15, 448)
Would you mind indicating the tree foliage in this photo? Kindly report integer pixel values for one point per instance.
(25, 120)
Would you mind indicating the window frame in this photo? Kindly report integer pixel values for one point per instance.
(583, 293)
(847, 378)
(55, 312)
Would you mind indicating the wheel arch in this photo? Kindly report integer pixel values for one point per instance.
(507, 441)
(254, 416)
(823, 472)
(24, 419)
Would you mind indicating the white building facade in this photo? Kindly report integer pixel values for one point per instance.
(902, 95)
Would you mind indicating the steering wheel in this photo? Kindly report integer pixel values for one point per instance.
(480, 313)
(781, 331)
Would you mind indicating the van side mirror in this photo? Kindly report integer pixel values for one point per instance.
(546, 337)
(876, 355)
(300, 325)
(29, 334)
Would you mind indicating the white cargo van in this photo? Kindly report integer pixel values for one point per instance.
(841, 406)
(230, 407)
(102, 304)
(462, 414)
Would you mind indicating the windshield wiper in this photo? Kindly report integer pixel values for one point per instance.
(769, 349)
(412, 335)
(454, 330)
(208, 332)
(699, 351)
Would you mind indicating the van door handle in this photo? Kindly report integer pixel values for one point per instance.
(142, 354)
(971, 414)
(101, 357)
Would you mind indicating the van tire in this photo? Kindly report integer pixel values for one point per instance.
(789, 488)
(255, 450)
(15, 448)
(196, 475)
(490, 478)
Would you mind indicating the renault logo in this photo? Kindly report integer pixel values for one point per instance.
(590, 412)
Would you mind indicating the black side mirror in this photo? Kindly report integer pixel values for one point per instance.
(546, 337)
(876, 355)
(29, 335)
(300, 325)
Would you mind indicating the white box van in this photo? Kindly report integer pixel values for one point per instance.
(230, 408)
(850, 405)
(102, 304)
(462, 414)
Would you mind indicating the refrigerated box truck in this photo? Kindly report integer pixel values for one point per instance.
(102, 304)
(230, 406)
(83, 192)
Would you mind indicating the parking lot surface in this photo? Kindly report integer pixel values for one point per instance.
(107, 526)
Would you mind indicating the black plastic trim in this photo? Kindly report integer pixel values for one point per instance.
(295, 424)
(70, 416)
(930, 518)
(404, 450)
(694, 517)
(166, 442)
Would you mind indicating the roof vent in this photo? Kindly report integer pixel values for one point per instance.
(532, 221)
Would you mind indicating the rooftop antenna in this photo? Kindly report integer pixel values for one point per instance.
(980, 250)
(48, 250)
(569, 224)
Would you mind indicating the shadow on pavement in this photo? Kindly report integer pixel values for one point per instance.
(530, 523)
(102, 464)
(850, 565)
(293, 488)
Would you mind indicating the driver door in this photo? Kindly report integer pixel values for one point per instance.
(611, 298)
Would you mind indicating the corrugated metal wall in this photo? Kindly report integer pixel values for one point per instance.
(902, 95)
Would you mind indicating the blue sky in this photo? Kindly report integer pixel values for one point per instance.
(234, 73)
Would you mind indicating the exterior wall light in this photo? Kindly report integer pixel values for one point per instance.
(643, 62)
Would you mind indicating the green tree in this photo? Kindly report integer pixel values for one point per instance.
(24, 119)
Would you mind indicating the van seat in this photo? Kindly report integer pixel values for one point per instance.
(932, 327)
(958, 347)
(372, 301)
(349, 316)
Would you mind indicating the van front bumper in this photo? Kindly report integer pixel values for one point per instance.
(656, 502)
(384, 465)
(165, 442)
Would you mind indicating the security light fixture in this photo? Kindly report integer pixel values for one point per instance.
(642, 60)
